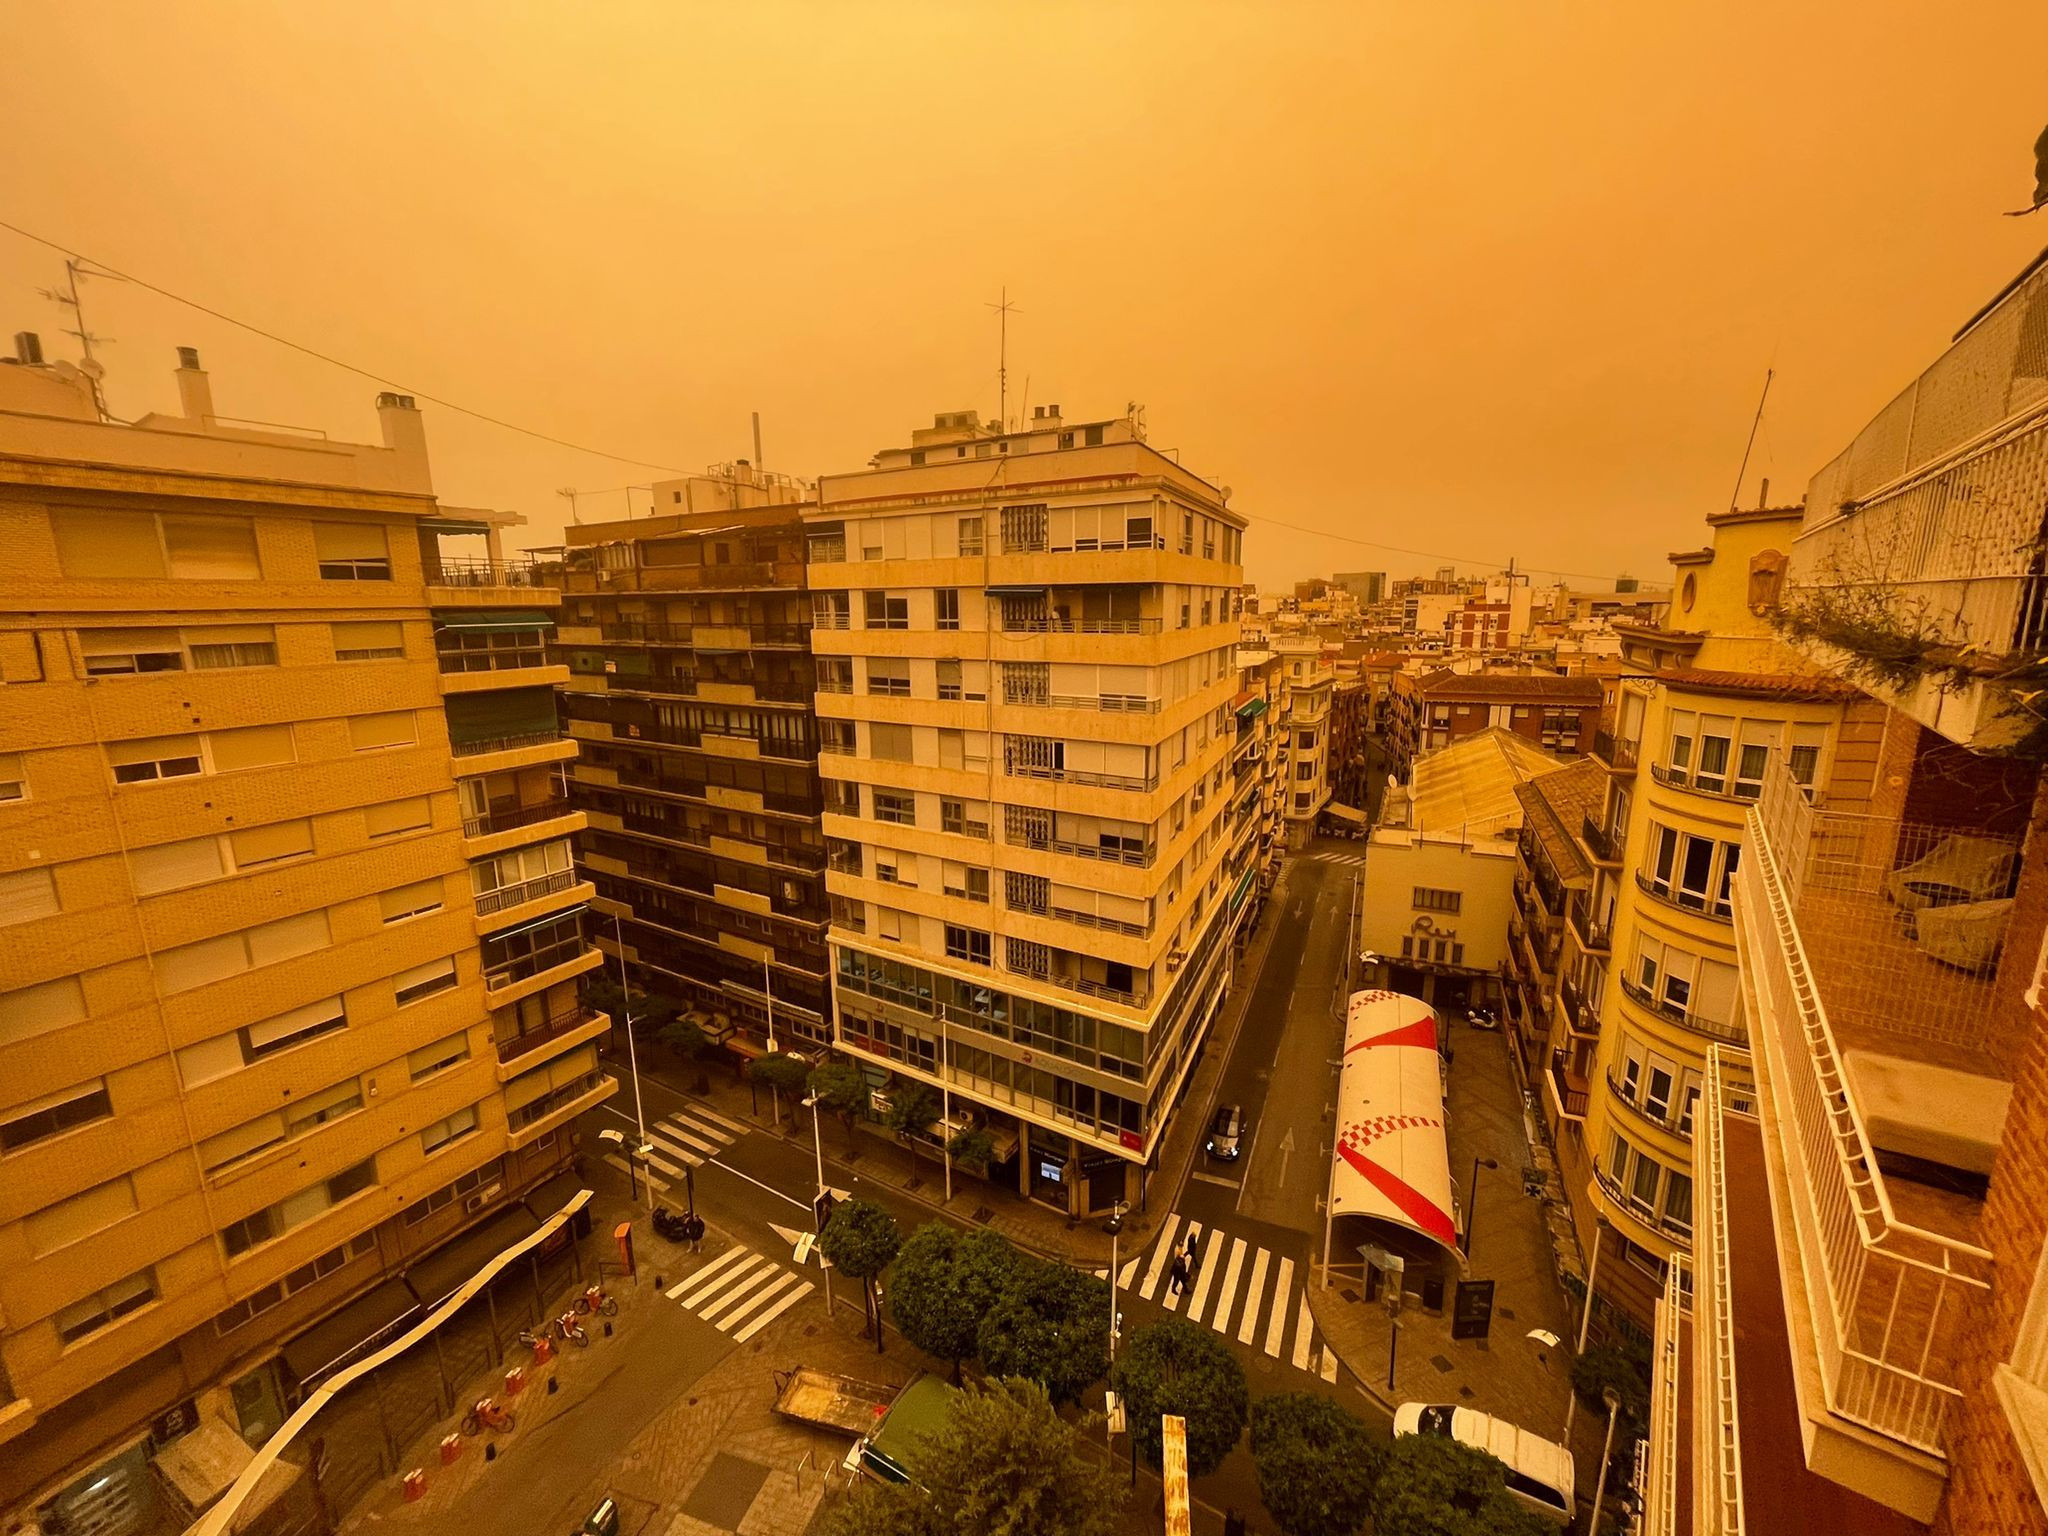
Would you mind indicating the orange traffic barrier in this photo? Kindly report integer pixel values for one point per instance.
(415, 1484)
(515, 1381)
(451, 1447)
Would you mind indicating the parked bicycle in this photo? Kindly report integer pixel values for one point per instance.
(594, 1300)
(568, 1330)
(486, 1414)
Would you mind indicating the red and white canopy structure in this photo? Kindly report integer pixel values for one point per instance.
(1392, 1163)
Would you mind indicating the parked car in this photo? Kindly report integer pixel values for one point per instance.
(1541, 1476)
(1226, 1133)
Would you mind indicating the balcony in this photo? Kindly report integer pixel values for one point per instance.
(511, 818)
(1683, 899)
(1668, 1118)
(1579, 1011)
(1594, 938)
(1616, 755)
(1570, 1091)
(477, 574)
(506, 897)
(518, 742)
(1852, 969)
(1605, 846)
(1683, 1014)
(1107, 703)
(1057, 626)
(571, 1026)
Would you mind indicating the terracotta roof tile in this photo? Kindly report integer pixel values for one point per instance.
(1553, 805)
(1815, 686)
(1482, 685)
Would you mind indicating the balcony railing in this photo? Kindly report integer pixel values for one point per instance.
(1085, 776)
(1822, 939)
(525, 1044)
(1572, 1092)
(1579, 1010)
(504, 743)
(1684, 1014)
(1685, 900)
(496, 658)
(1056, 626)
(1620, 1199)
(1670, 1118)
(1130, 997)
(1617, 753)
(505, 896)
(1605, 845)
(655, 632)
(1596, 937)
(1096, 920)
(469, 571)
(514, 817)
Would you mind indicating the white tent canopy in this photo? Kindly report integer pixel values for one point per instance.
(1391, 1163)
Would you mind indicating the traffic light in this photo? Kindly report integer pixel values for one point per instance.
(823, 1207)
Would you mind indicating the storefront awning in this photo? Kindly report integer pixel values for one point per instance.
(1349, 813)
(444, 1271)
(1391, 1162)
(333, 1341)
(546, 1199)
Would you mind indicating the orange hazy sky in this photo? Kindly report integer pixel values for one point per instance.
(1480, 280)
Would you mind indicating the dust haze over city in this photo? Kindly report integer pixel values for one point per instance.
(896, 769)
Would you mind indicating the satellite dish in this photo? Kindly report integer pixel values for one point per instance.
(93, 369)
(1226, 493)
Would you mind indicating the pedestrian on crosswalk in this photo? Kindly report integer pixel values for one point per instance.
(1177, 1276)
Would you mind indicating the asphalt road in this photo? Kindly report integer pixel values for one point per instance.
(1256, 1221)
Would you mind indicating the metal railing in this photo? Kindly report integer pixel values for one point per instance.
(1678, 896)
(1131, 998)
(516, 816)
(1596, 937)
(1579, 1011)
(1671, 1119)
(1616, 753)
(1892, 1297)
(478, 571)
(1096, 920)
(827, 618)
(1573, 1100)
(529, 1041)
(1622, 1200)
(1083, 776)
(505, 743)
(1728, 786)
(507, 658)
(1058, 626)
(1719, 1482)
(1605, 845)
(658, 632)
(1686, 1015)
(488, 902)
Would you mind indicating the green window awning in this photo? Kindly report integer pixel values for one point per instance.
(1252, 710)
(1244, 884)
(505, 712)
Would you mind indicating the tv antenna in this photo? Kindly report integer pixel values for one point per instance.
(1003, 312)
(568, 494)
(68, 296)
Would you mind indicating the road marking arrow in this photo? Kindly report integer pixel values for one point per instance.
(1286, 1151)
(788, 1234)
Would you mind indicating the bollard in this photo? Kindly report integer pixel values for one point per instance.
(554, 1386)
(415, 1484)
(490, 1450)
(515, 1381)
(451, 1447)
(607, 1329)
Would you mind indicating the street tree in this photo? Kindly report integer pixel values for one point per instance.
(973, 1149)
(1315, 1462)
(928, 1297)
(779, 1074)
(1173, 1366)
(687, 1041)
(842, 1088)
(646, 1011)
(1625, 1367)
(1003, 1464)
(1052, 1325)
(912, 1107)
(1432, 1486)
(860, 1240)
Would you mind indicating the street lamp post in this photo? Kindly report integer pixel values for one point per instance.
(640, 1147)
(1571, 1401)
(818, 1202)
(1472, 1195)
(1612, 1399)
(1116, 1226)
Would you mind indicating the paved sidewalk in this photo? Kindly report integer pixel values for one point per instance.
(1508, 1373)
(882, 1160)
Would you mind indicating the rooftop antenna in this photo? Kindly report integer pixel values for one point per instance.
(1736, 496)
(1003, 312)
(568, 493)
(68, 296)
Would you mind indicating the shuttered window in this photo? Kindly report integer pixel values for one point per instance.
(211, 548)
(94, 1210)
(329, 1104)
(210, 960)
(64, 1110)
(170, 866)
(232, 645)
(502, 714)
(559, 1073)
(256, 746)
(210, 1059)
(352, 551)
(454, 1128)
(369, 640)
(370, 733)
(13, 778)
(253, 847)
(29, 1011)
(424, 980)
(111, 652)
(287, 938)
(410, 900)
(106, 1306)
(238, 1142)
(429, 1059)
(154, 757)
(27, 895)
(294, 1027)
(116, 544)
(394, 816)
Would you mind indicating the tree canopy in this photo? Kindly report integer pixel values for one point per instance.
(1052, 1325)
(1432, 1486)
(912, 1106)
(1316, 1464)
(783, 1073)
(861, 1239)
(1173, 1366)
(842, 1088)
(928, 1297)
(1004, 1464)
(972, 1148)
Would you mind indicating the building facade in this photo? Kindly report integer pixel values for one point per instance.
(1428, 711)
(1311, 686)
(1027, 784)
(687, 638)
(1551, 869)
(290, 924)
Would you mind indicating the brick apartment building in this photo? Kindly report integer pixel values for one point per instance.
(1429, 711)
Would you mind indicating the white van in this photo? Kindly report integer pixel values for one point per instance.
(1541, 1475)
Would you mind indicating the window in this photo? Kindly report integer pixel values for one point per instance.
(232, 645)
(406, 901)
(105, 1306)
(1642, 1185)
(255, 746)
(13, 778)
(155, 757)
(1304, 771)
(54, 1113)
(392, 817)
(374, 733)
(438, 1057)
(889, 742)
(1678, 1200)
(27, 895)
(26, 1012)
(210, 960)
(352, 551)
(1429, 899)
(468, 1183)
(211, 548)
(967, 944)
(1023, 528)
(946, 608)
(275, 1220)
(420, 981)
(296, 1027)
(1138, 533)
(300, 1118)
(897, 808)
(69, 1221)
(114, 652)
(172, 866)
(458, 1125)
(970, 535)
(881, 611)
(369, 640)
(977, 884)
(949, 680)
(1715, 742)
(889, 678)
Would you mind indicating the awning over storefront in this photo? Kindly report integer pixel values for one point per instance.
(1345, 813)
(546, 1199)
(335, 1340)
(1391, 1163)
(443, 1272)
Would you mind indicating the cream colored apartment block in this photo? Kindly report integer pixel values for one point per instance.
(1026, 667)
(288, 929)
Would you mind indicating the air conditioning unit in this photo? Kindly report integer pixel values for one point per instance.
(1174, 957)
(471, 1204)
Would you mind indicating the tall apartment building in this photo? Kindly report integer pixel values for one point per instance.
(1025, 650)
(687, 636)
(1551, 868)
(1858, 1340)
(289, 928)
(1429, 710)
(1305, 771)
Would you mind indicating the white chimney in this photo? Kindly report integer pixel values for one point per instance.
(195, 391)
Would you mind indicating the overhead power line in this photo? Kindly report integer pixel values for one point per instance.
(314, 352)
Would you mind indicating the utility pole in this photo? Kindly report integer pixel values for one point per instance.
(640, 1148)
(68, 296)
(1003, 312)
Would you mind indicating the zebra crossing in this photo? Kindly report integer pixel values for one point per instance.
(1242, 1290)
(1348, 860)
(689, 1138)
(740, 1292)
